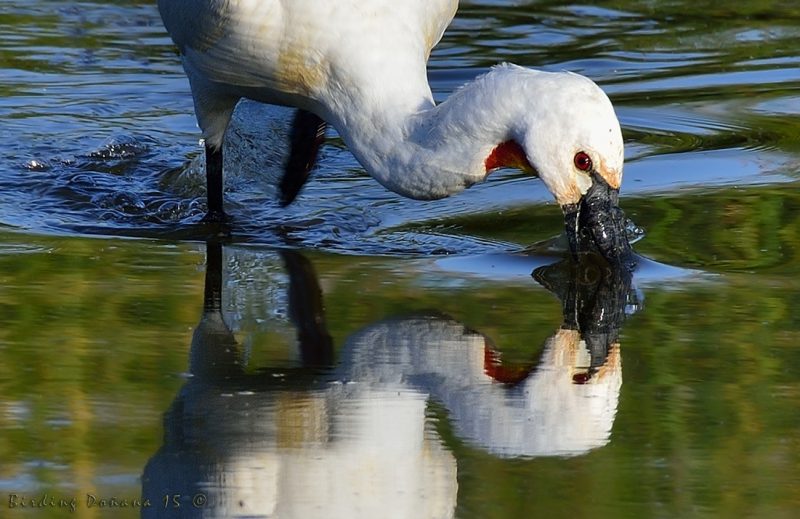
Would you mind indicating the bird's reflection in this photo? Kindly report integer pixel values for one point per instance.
(565, 405)
(351, 438)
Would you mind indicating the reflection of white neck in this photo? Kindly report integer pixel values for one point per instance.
(361, 447)
(546, 414)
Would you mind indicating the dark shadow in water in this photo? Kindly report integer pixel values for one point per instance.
(355, 440)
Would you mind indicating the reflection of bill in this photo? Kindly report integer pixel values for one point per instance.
(355, 441)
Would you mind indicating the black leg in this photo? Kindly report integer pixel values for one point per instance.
(215, 359)
(307, 311)
(214, 185)
(308, 132)
(212, 295)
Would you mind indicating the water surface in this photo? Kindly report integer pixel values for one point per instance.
(360, 352)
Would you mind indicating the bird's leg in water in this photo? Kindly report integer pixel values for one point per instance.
(214, 186)
(308, 133)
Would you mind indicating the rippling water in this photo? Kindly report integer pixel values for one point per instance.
(99, 136)
(415, 357)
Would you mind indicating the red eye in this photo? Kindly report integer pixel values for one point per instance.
(582, 161)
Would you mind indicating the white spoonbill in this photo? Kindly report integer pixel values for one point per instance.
(360, 65)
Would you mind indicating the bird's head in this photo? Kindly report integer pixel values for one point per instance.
(572, 140)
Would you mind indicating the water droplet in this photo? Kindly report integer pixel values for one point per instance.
(37, 165)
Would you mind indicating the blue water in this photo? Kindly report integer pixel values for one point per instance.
(360, 353)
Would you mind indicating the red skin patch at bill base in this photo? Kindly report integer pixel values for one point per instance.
(511, 374)
(508, 154)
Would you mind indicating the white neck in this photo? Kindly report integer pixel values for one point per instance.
(423, 151)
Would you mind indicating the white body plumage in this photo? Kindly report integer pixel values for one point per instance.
(361, 66)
